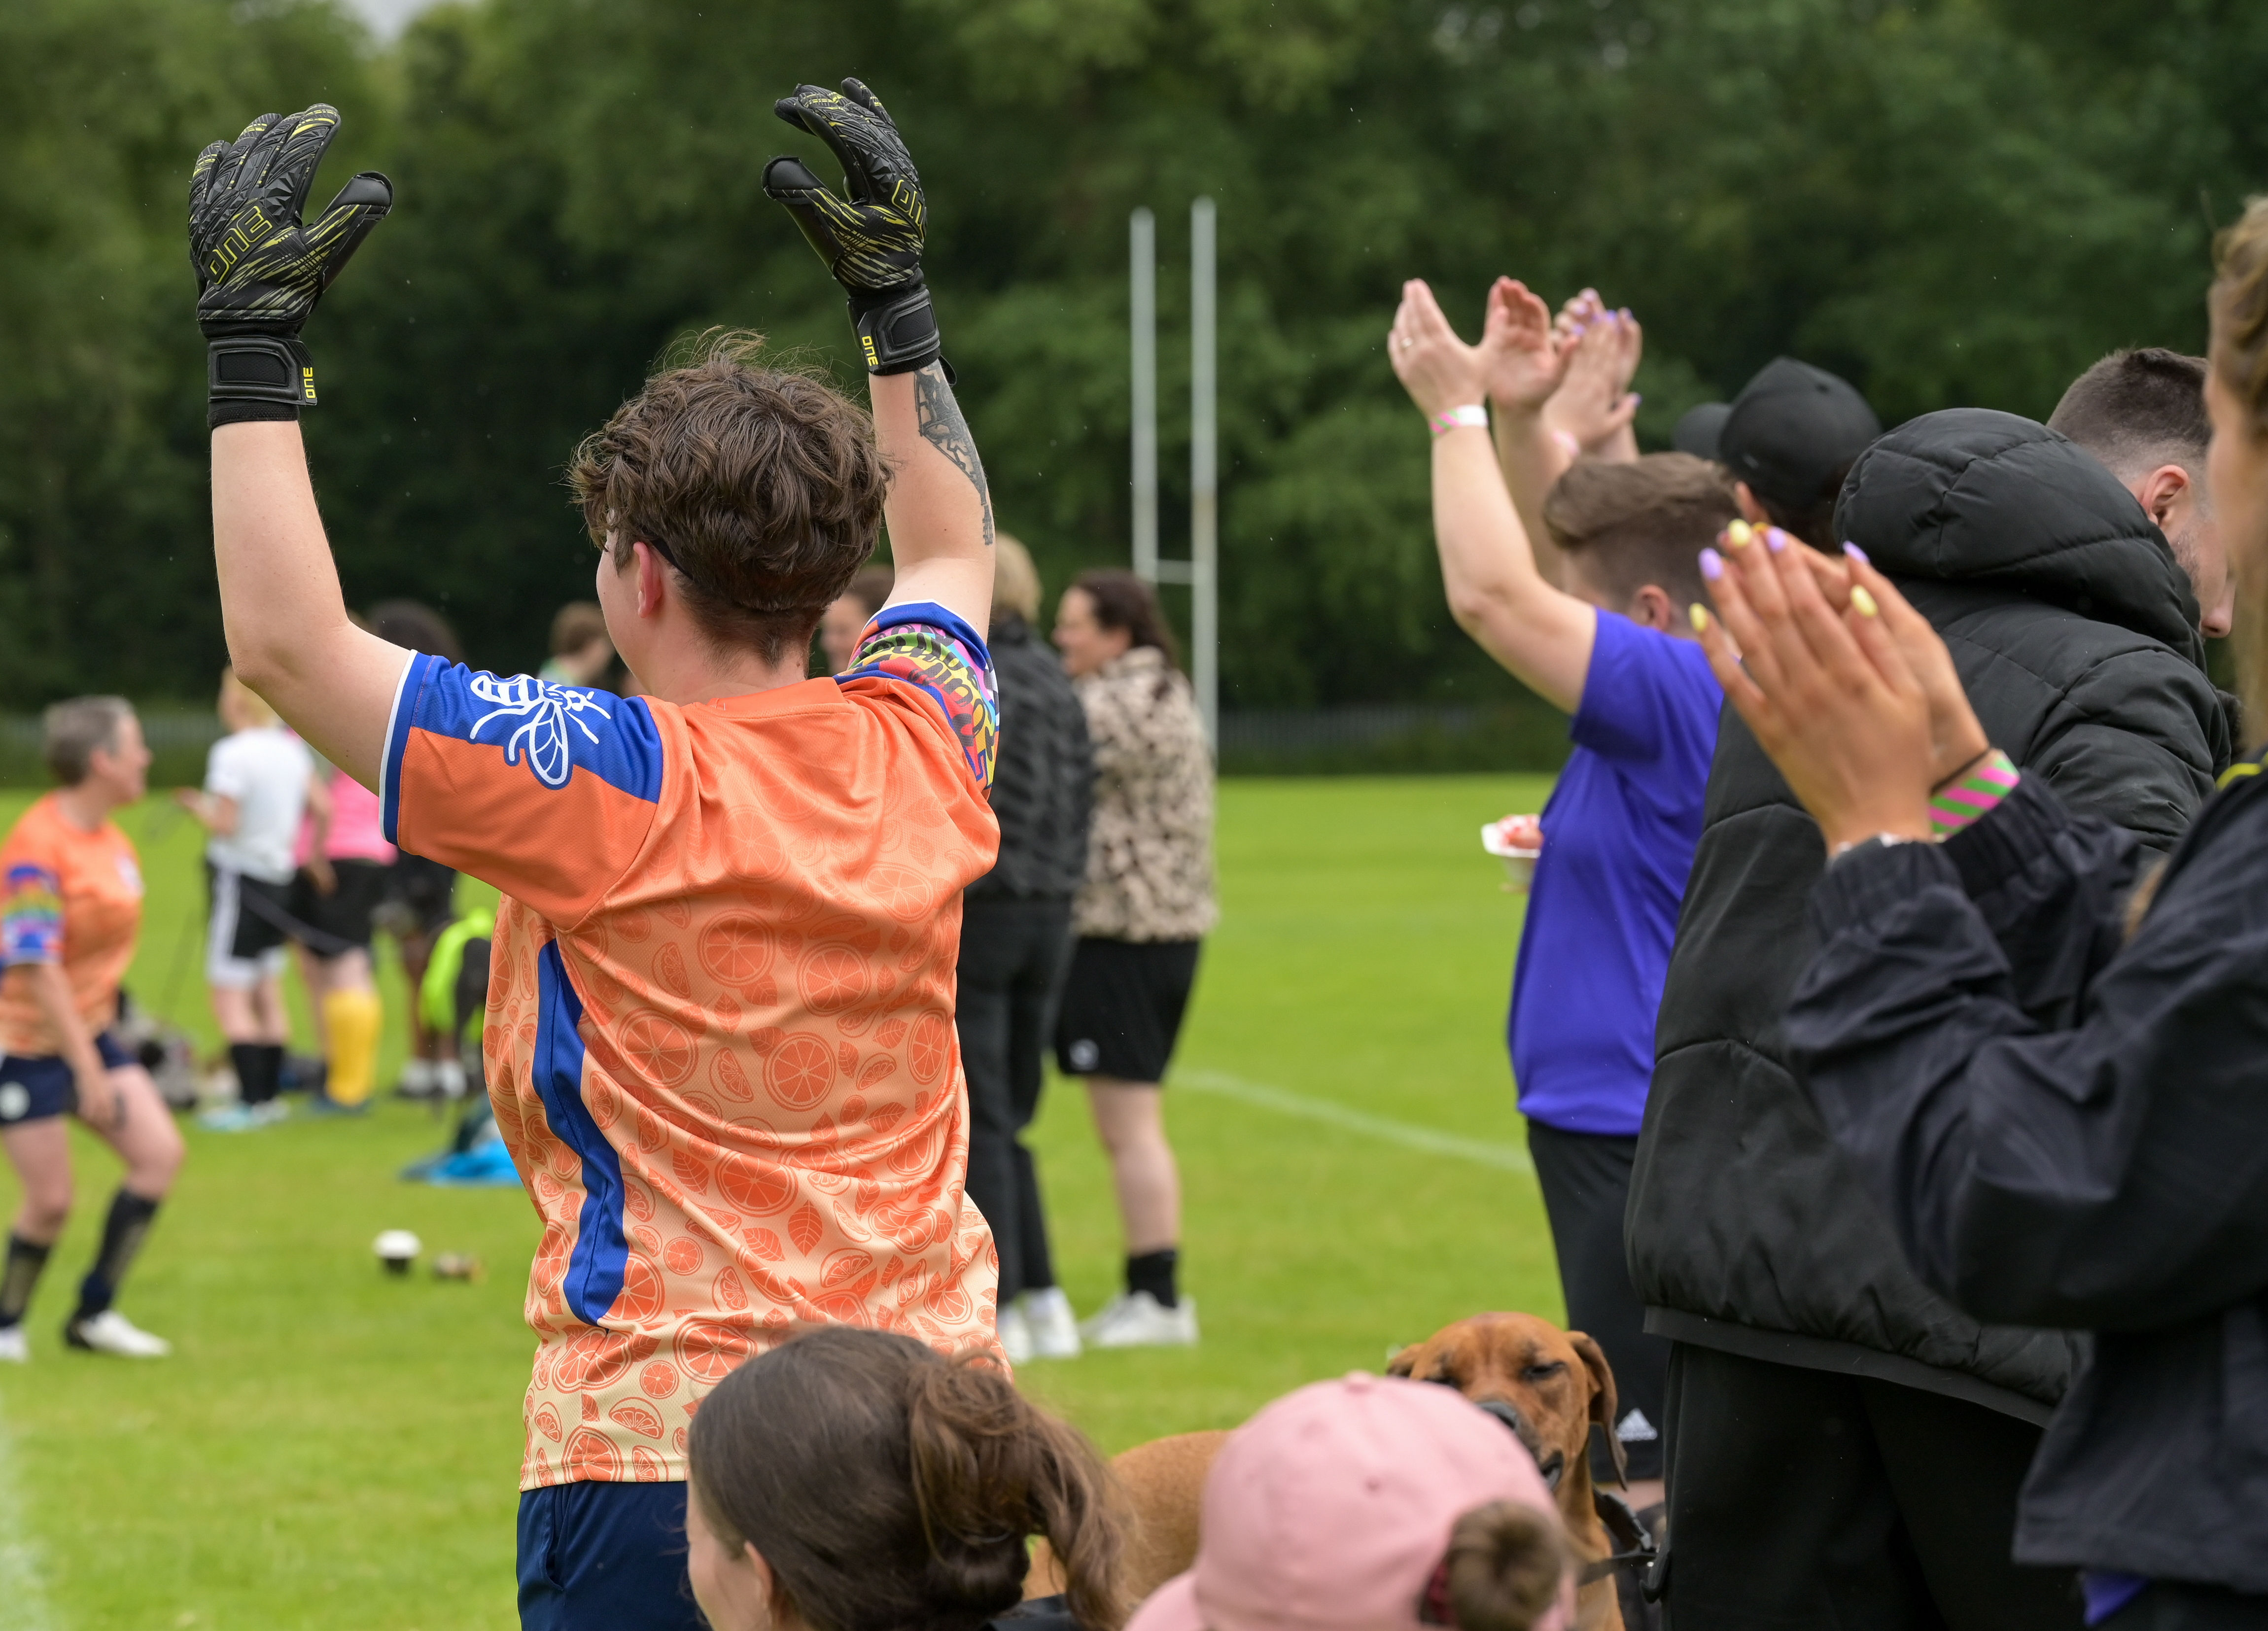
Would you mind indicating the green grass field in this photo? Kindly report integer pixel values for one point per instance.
(332, 1447)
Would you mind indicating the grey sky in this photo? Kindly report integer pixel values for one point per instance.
(389, 17)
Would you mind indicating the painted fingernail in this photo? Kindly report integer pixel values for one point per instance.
(1699, 614)
(1636, 399)
(1737, 535)
(1864, 601)
(1857, 554)
(1712, 565)
(1774, 540)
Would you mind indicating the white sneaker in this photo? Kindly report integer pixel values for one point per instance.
(1015, 1335)
(1054, 1327)
(111, 1332)
(15, 1347)
(1137, 1319)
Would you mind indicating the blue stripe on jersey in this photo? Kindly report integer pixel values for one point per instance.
(554, 730)
(594, 1268)
(397, 738)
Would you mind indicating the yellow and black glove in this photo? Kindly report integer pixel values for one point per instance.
(260, 268)
(872, 242)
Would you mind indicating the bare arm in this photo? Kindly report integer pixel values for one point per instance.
(1523, 361)
(51, 992)
(940, 510)
(288, 633)
(216, 812)
(1496, 591)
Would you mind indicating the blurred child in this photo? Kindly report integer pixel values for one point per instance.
(581, 654)
(344, 867)
(848, 613)
(255, 790)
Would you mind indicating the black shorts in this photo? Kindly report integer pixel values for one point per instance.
(330, 925)
(1122, 1007)
(40, 1087)
(420, 899)
(249, 920)
(1586, 1178)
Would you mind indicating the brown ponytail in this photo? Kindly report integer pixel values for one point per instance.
(1504, 1564)
(891, 1489)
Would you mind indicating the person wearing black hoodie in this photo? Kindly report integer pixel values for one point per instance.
(1845, 1445)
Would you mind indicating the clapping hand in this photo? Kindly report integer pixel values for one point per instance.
(1859, 730)
(1439, 370)
(1523, 355)
(1594, 406)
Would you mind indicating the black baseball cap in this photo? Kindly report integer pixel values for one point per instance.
(1793, 430)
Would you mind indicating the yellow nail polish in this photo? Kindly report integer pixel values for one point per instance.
(1699, 614)
(1737, 535)
(1864, 601)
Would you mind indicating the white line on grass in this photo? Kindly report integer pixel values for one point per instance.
(1504, 1158)
(23, 1593)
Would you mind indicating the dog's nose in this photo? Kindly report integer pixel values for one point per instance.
(1505, 1411)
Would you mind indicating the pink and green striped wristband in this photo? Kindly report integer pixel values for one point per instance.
(1971, 796)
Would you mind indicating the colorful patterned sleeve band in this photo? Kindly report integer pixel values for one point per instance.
(1972, 794)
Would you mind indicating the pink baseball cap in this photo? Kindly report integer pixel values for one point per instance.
(1330, 1511)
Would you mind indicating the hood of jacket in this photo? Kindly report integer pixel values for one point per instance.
(1972, 495)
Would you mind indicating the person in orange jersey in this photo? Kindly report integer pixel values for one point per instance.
(720, 1028)
(70, 907)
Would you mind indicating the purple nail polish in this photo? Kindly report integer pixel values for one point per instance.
(1857, 554)
(1712, 565)
(1774, 540)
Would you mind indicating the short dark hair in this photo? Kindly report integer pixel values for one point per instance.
(2136, 410)
(1640, 522)
(1123, 600)
(761, 485)
(889, 1487)
(575, 625)
(416, 627)
(72, 730)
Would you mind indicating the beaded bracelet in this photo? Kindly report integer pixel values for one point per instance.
(1972, 795)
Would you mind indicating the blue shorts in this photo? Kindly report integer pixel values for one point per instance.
(39, 1087)
(605, 1557)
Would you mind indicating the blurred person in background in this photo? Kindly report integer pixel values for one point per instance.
(421, 895)
(255, 791)
(850, 612)
(1140, 914)
(2142, 413)
(70, 909)
(344, 866)
(1015, 946)
(581, 653)
(1789, 439)
(1603, 637)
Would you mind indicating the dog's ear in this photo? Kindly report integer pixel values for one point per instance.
(1604, 1407)
(1404, 1362)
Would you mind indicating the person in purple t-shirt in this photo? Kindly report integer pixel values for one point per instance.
(1591, 617)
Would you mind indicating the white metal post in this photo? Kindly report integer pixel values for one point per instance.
(1204, 473)
(1143, 234)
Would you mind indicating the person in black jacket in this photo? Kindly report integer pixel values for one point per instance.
(1846, 1446)
(1015, 946)
(2050, 1081)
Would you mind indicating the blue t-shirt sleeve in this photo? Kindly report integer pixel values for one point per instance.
(1649, 704)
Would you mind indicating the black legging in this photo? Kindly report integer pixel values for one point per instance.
(1012, 957)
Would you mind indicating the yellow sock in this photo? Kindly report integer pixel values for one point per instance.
(352, 1020)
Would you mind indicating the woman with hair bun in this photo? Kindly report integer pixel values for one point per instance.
(1371, 1503)
(853, 1480)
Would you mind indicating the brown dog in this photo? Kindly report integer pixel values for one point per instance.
(1551, 1386)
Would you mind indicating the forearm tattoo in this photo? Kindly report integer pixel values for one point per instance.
(945, 429)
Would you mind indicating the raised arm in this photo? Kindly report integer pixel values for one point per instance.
(260, 269)
(1523, 358)
(1496, 591)
(940, 510)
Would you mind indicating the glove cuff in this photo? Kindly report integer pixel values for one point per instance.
(896, 328)
(257, 377)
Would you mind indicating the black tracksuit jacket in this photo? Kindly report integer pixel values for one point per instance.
(2074, 632)
(2070, 1131)
(1043, 778)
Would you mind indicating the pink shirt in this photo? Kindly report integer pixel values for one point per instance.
(357, 825)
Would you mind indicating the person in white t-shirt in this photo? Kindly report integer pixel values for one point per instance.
(256, 790)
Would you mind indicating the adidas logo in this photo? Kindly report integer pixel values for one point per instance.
(1634, 1428)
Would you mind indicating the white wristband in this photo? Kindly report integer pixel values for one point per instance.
(1471, 415)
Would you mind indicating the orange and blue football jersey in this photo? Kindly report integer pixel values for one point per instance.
(721, 1033)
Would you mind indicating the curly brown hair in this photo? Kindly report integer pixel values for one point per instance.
(759, 484)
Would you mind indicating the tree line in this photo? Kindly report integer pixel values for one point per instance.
(1948, 201)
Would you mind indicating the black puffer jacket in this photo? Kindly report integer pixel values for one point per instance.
(2075, 634)
(2106, 1171)
(1043, 779)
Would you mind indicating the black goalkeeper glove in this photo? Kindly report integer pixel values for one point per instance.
(260, 268)
(873, 243)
